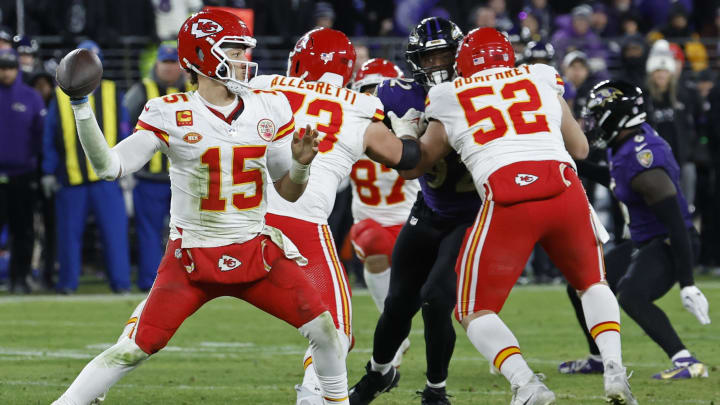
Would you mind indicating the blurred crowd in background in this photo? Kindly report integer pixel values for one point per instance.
(49, 193)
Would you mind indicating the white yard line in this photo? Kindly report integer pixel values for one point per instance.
(705, 285)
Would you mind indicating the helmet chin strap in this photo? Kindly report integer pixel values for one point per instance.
(233, 86)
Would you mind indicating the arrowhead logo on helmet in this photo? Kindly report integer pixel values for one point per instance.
(204, 27)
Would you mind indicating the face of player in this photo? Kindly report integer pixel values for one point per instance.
(8, 75)
(237, 55)
(437, 64)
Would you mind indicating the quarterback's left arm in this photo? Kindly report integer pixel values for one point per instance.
(290, 171)
(434, 146)
(575, 140)
(660, 195)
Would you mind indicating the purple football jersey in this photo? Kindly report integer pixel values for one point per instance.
(647, 150)
(448, 187)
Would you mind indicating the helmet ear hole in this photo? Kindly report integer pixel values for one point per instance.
(297, 67)
(200, 54)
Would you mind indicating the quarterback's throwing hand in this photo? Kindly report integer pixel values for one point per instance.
(305, 145)
(695, 302)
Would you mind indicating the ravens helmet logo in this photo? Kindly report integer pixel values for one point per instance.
(602, 96)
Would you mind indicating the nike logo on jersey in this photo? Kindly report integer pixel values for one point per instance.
(227, 263)
(525, 179)
(639, 147)
(147, 108)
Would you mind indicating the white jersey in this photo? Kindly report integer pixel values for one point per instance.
(341, 116)
(218, 169)
(501, 116)
(380, 193)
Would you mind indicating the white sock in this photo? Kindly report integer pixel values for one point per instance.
(681, 354)
(378, 285)
(380, 368)
(494, 340)
(329, 348)
(438, 385)
(335, 389)
(602, 317)
(310, 377)
(103, 372)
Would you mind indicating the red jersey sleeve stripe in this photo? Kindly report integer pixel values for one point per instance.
(285, 130)
(159, 133)
(379, 115)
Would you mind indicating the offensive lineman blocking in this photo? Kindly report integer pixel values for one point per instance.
(319, 67)
(511, 128)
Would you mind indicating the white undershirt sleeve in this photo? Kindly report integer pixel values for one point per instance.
(126, 157)
(279, 157)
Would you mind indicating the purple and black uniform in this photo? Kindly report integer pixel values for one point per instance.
(448, 187)
(426, 249)
(647, 150)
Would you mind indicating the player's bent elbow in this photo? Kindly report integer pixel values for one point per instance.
(579, 151)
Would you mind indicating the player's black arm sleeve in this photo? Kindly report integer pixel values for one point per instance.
(410, 155)
(660, 194)
(594, 172)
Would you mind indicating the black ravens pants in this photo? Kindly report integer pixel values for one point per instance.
(17, 202)
(422, 276)
(639, 275)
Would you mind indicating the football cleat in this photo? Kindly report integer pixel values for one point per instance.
(308, 396)
(434, 396)
(587, 365)
(404, 347)
(617, 387)
(684, 367)
(373, 384)
(532, 393)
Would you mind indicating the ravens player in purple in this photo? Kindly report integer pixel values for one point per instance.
(423, 260)
(644, 176)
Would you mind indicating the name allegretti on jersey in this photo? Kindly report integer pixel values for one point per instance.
(346, 115)
(218, 170)
(500, 116)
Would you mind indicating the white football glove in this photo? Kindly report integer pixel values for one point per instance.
(413, 123)
(695, 302)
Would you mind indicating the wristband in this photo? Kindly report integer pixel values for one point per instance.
(299, 173)
(76, 101)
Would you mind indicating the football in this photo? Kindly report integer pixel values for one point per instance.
(79, 73)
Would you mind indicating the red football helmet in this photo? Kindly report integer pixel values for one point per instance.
(483, 48)
(321, 51)
(374, 71)
(201, 41)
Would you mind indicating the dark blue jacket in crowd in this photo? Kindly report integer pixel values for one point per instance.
(22, 112)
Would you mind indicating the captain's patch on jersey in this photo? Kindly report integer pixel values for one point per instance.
(192, 137)
(183, 118)
(266, 129)
(645, 157)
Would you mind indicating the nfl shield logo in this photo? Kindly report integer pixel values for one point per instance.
(645, 157)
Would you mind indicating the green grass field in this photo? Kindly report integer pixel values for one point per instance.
(229, 352)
